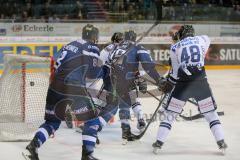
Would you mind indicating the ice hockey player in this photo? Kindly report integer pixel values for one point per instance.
(125, 61)
(187, 60)
(78, 61)
(90, 137)
(136, 105)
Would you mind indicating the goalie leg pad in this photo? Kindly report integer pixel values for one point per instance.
(137, 109)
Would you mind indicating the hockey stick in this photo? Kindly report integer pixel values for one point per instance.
(137, 137)
(190, 118)
(197, 116)
(158, 5)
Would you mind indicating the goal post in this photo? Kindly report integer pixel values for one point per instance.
(23, 90)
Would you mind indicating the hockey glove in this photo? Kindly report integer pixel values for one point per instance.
(164, 85)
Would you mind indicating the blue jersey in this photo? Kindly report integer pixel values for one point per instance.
(77, 63)
(126, 65)
(131, 61)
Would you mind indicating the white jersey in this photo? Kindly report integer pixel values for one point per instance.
(188, 53)
(106, 53)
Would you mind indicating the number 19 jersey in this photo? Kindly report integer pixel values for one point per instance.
(187, 57)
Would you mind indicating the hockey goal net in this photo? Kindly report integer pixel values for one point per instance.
(23, 90)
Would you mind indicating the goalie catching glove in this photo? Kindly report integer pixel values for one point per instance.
(164, 85)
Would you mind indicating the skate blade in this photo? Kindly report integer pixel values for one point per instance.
(223, 151)
(25, 156)
(124, 141)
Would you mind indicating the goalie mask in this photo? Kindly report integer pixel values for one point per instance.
(117, 37)
(90, 33)
(185, 31)
(130, 35)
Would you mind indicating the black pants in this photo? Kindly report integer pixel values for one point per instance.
(198, 89)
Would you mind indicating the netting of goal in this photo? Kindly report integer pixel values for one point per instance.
(23, 90)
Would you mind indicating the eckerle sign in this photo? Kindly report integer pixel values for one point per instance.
(32, 28)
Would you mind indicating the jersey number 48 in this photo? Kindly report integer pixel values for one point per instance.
(190, 54)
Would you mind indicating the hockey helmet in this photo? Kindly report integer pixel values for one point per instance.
(130, 35)
(185, 31)
(90, 33)
(117, 37)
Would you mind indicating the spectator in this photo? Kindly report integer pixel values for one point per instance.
(46, 10)
(29, 9)
(24, 17)
(131, 12)
(53, 19)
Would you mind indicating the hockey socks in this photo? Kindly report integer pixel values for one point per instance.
(46, 130)
(165, 126)
(89, 134)
(215, 125)
(137, 110)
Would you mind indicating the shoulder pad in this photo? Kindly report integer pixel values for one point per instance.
(173, 47)
(81, 41)
(91, 46)
(110, 47)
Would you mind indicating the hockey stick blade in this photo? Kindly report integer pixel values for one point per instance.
(197, 116)
(137, 137)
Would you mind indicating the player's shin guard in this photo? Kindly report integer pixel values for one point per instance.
(166, 125)
(138, 113)
(164, 129)
(215, 125)
(45, 131)
(216, 128)
(89, 135)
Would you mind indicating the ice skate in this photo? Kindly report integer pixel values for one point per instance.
(127, 134)
(222, 146)
(79, 128)
(31, 150)
(87, 155)
(157, 146)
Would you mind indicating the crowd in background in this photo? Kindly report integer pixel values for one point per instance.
(63, 10)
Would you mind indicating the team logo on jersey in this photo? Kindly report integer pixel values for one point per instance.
(81, 110)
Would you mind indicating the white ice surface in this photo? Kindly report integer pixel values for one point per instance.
(187, 140)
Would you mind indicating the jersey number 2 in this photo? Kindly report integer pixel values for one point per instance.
(194, 55)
